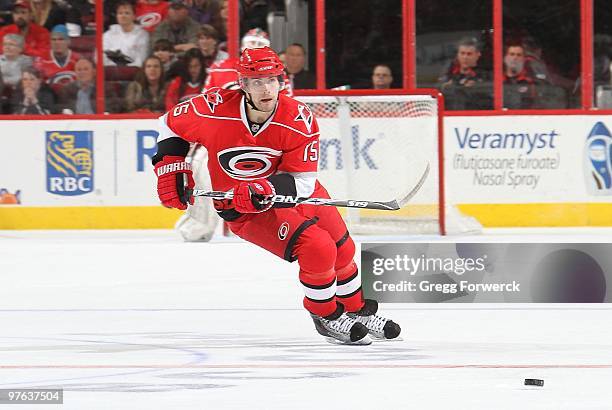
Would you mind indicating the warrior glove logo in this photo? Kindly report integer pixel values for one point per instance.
(246, 163)
(70, 162)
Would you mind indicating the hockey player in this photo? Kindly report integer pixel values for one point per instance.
(261, 143)
(199, 222)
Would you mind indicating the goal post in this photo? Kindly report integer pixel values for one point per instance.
(376, 147)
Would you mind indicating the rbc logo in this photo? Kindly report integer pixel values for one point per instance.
(598, 160)
(69, 162)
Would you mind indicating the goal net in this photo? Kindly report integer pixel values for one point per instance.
(376, 147)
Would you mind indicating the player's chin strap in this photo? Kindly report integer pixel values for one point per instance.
(249, 101)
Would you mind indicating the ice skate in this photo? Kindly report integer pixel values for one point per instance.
(378, 326)
(341, 329)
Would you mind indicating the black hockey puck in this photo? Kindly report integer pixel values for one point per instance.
(534, 382)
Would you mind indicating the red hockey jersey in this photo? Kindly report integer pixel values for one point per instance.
(224, 74)
(150, 15)
(53, 73)
(287, 142)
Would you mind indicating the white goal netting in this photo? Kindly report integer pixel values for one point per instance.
(376, 148)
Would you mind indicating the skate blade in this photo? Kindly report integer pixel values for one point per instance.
(384, 339)
(362, 342)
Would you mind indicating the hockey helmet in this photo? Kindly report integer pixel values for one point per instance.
(259, 63)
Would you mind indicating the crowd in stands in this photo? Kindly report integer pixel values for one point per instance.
(529, 82)
(156, 53)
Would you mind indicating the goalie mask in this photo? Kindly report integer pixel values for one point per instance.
(255, 38)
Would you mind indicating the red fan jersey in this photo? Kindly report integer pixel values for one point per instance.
(287, 142)
(54, 74)
(224, 74)
(37, 42)
(174, 95)
(150, 15)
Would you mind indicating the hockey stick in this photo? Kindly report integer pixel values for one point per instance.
(392, 205)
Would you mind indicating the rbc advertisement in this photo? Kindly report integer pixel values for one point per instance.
(487, 272)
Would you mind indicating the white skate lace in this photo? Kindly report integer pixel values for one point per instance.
(341, 325)
(374, 323)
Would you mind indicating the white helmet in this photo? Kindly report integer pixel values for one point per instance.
(255, 38)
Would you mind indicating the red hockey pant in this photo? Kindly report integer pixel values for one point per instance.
(318, 239)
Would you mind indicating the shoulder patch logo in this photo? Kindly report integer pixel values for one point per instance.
(213, 98)
(305, 115)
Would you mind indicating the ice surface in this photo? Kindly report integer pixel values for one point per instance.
(140, 320)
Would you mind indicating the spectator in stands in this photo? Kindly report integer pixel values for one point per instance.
(49, 13)
(382, 77)
(178, 28)
(164, 50)
(190, 81)
(125, 43)
(295, 57)
(150, 13)
(37, 42)
(147, 92)
(79, 97)
(463, 81)
(208, 43)
(32, 95)
(519, 86)
(57, 68)
(13, 62)
(205, 12)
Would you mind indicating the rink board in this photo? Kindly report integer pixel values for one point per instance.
(503, 170)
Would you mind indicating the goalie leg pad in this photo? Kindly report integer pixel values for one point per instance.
(199, 222)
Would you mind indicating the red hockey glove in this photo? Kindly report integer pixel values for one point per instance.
(250, 197)
(171, 189)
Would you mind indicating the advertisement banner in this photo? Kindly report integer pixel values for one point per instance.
(487, 272)
(529, 159)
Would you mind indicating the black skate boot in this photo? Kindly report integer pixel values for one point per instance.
(378, 326)
(340, 328)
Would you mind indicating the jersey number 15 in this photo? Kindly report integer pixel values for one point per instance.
(311, 152)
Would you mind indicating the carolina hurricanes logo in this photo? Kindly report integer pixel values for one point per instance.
(149, 19)
(62, 77)
(246, 163)
(283, 231)
(213, 98)
(304, 114)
